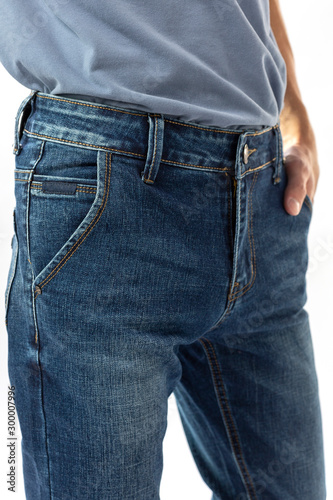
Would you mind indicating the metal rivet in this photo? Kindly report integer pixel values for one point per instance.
(38, 290)
(246, 154)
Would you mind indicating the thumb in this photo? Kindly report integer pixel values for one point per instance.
(297, 173)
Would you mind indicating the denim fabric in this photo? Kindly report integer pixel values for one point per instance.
(153, 256)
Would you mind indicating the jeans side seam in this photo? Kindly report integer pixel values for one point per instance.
(84, 235)
(228, 419)
(41, 392)
(11, 278)
(45, 425)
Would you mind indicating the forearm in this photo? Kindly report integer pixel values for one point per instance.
(294, 120)
(297, 133)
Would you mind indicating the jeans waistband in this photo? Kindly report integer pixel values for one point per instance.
(155, 138)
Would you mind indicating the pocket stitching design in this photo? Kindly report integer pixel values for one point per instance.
(83, 236)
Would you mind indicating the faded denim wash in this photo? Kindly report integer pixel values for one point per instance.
(151, 256)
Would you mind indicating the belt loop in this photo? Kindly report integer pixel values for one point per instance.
(239, 164)
(155, 147)
(278, 154)
(20, 120)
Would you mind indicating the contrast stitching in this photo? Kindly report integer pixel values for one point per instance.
(247, 287)
(65, 141)
(87, 230)
(227, 311)
(232, 237)
(198, 166)
(231, 294)
(261, 166)
(224, 316)
(236, 295)
(202, 128)
(260, 132)
(250, 152)
(82, 189)
(89, 105)
(68, 141)
(228, 419)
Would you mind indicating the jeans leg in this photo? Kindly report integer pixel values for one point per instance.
(91, 381)
(248, 396)
(108, 283)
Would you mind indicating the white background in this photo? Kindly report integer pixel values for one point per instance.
(309, 26)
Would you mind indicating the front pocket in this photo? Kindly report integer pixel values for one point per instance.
(62, 213)
(57, 208)
(12, 267)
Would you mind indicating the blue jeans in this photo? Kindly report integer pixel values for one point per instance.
(150, 256)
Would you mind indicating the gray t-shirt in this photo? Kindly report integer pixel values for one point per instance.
(213, 62)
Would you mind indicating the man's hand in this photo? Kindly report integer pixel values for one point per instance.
(298, 138)
(302, 169)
